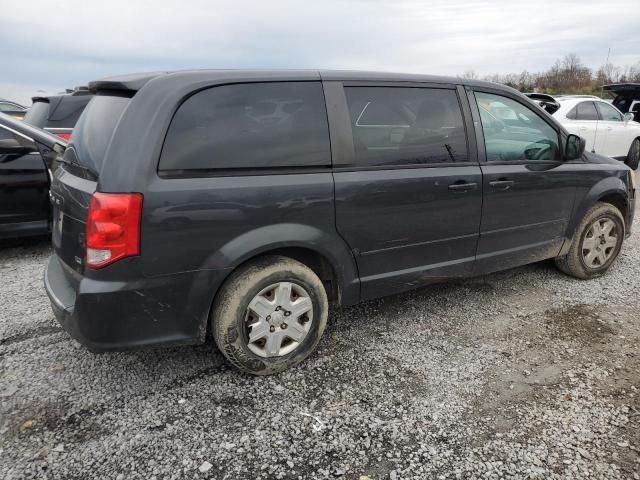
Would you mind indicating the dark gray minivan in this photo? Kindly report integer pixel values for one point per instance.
(242, 203)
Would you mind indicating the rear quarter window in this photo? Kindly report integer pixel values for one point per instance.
(249, 126)
(583, 111)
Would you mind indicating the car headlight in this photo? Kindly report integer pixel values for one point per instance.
(632, 180)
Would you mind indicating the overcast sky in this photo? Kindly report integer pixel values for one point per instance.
(66, 43)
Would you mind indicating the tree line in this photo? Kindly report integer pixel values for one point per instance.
(568, 75)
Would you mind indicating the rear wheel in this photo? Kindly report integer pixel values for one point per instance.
(597, 243)
(633, 158)
(269, 315)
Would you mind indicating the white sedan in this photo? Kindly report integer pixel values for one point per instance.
(607, 130)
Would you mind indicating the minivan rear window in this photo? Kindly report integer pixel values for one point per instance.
(95, 127)
(249, 126)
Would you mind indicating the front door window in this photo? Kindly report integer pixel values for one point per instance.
(514, 132)
(609, 113)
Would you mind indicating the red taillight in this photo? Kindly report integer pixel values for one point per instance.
(64, 136)
(113, 227)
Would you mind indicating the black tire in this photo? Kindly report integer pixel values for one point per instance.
(633, 157)
(573, 262)
(229, 313)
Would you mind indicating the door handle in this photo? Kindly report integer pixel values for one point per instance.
(583, 129)
(462, 186)
(609, 128)
(501, 184)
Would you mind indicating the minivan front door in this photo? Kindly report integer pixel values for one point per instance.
(528, 190)
(408, 189)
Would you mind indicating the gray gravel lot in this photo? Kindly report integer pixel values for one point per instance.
(521, 374)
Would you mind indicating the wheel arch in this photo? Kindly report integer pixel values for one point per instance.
(611, 190)
(618, 200)
(325, 253)
(319, 263)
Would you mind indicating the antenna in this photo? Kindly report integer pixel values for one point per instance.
(606, 64)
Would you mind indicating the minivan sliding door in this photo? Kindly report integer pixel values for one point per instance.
(408, 189)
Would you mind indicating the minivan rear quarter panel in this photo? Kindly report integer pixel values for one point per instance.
(225, 217)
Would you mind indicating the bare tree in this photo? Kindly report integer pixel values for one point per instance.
(571, 64)
(471, 74)
(567, 75)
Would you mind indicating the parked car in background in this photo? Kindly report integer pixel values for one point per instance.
(58, 114)
(627, 97)
(12, 108)
(24, 174)
(606, 129)
(348, 187)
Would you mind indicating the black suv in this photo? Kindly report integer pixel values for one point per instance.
(242, 203)
(58, 114)
(627, 97)
(24, 175)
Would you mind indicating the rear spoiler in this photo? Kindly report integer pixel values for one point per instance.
(124, 84)
(547, 102)
(47, 143)
(540, 96)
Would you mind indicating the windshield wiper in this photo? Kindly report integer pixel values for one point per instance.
(450, 151)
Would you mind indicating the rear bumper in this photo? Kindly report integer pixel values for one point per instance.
(117, 315)
(62, 296)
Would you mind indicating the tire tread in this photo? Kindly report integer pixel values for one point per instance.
(571, 263)
(228, 305)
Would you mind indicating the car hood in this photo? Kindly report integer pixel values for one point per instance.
(600, 159)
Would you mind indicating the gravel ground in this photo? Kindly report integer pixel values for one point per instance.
(521, 374)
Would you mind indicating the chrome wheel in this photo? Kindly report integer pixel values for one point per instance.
(599, 243)
(278, 319)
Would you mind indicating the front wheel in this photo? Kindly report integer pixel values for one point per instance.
(633, 158)
(269, 315)
(596, 244)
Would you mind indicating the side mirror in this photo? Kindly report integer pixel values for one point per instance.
(13, 147)
(627, 117)
(574, 148)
